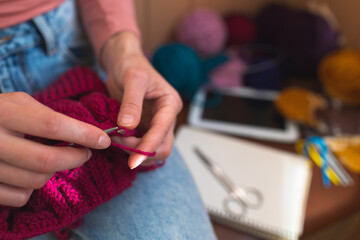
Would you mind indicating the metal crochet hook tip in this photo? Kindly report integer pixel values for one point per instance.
(110, 130)
(120, 131)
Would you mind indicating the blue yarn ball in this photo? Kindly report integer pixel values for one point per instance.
(180, 66)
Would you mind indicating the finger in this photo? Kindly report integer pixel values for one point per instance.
(131, 142)
(50, 124)
(162, 152)
(162, 122)
(113, 89)
(22, 178)
(14, 196)
(133, 97)
(40, 158)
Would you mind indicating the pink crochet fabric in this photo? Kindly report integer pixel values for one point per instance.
(70, 194)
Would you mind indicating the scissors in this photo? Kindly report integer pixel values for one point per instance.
(243, 197)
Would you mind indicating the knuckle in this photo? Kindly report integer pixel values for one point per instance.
(46, 162)
(135, 72)
(168, 146)
(21, 97)
(179, 101)
(9, 100)
(5, 113)
(175, 99)
(131, 107)
(38, 181)
(166, 153)
(52, 124)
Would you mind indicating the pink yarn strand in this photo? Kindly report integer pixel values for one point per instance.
(149, 154)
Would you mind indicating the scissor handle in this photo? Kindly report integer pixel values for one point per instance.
(251, 197)
(243, 198)
(234, 206)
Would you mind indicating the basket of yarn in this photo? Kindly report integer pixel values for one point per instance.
(204, 31)
(339, 73)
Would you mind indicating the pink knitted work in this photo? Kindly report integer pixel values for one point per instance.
(70, 194)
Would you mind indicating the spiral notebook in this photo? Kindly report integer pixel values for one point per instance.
(283, 179)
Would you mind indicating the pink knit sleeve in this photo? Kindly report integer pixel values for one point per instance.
(103, 18)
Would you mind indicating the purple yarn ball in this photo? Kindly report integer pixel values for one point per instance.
(304, 37)
(204, 31)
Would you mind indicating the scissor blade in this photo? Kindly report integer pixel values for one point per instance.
(206, 160)
(242, 194)
(216, 170)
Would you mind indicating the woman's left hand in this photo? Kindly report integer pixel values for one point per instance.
(148, 102)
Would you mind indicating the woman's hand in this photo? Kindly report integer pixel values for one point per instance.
(147, 99)
(26, 165)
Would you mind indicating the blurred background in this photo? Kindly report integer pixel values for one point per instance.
(308, 51)
(158, 19)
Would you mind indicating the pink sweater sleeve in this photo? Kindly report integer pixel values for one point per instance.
(103, 18)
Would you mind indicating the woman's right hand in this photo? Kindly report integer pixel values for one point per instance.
(26, 165)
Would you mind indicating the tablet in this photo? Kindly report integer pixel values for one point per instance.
(241, 111)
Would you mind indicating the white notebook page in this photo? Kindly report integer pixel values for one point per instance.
(283, 178)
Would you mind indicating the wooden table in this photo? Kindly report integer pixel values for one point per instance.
(324, 208)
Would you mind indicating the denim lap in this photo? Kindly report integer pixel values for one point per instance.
(161, 204)
(35, 53)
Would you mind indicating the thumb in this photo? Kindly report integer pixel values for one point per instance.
(132, 101)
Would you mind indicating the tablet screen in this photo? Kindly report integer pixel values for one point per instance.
(244, 110)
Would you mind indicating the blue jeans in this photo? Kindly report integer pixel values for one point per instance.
(161, 204)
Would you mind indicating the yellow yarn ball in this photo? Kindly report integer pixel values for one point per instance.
(339, 72)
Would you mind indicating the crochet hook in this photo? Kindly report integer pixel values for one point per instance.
(122, 131)
(113, 129)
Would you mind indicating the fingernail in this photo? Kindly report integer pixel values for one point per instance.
(89, 154)
(103, 142)
(126, 120)
(138, 161)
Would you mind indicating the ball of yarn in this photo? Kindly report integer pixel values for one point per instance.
(180, 66)
(300, 105)
(339, 72)
(347, 149)
(241, 29)
(304, 37)
(204, 31)
(228, 74)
